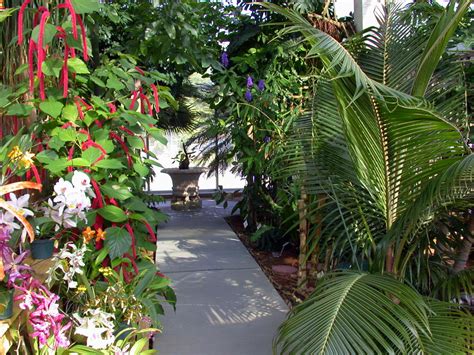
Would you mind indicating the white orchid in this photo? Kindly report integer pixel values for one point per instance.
(71, 202)
(19, 204)
(70, 260)
(81, 181)
(77, 200)
(63, 187)
(98, 327)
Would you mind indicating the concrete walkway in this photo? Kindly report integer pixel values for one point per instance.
(226, 305)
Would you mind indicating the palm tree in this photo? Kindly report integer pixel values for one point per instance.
(380, 144)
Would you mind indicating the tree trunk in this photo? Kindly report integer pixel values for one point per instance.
(251, 214)
(317, 222)
(327, 259)
(463, 253)
(302, 273)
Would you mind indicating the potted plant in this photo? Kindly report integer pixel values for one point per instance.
(183, 158)
(65, 210)
(185, 182)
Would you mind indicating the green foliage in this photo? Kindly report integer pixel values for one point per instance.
(118, 242)
(173, 37)
(371, 313)
(364, 146)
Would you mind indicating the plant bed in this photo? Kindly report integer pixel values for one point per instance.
(284, 283)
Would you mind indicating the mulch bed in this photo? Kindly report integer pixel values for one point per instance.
(285, 284)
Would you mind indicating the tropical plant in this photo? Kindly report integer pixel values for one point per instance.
(385, 161)
(360, 313)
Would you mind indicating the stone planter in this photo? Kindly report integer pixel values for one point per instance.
(185, 188)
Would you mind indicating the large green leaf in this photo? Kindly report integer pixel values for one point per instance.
(113, 213)
(357, 313)
(116, 190)
(118, 241)
(19, 110)
(52, 108)
(77, 66)
(109, 164)
(52, 67)
(91, 154)
(49, 33)
(85, 6)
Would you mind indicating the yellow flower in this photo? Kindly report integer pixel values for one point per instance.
(26, 160)
(15, 153)
(88, 234)
(106, 271)
(100, 235)
(81, 289)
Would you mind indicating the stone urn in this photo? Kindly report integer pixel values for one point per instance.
(185, 188)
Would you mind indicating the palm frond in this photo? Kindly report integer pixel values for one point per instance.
(394, 49)
(448, 91)
(437, 44)
(356, 313)
(181, 120)
(452, 329)
(452, 287)
(386, 134)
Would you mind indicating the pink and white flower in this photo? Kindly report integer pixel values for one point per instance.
(71, 202)
(97, 326)
(81, 181)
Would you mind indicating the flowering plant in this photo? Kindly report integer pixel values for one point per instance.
(13, 210)
(67, 209)
(89, 139)
(49, 325)
(69, 262)
(97, 327)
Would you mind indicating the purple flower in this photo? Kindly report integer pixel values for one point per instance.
(44, 318)
(16, 269)
(261, 85)
(225, 59)
(248, 95)
(249, 82)
(5, 250)
(267, 139)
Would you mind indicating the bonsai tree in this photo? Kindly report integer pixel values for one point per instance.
(183, 158)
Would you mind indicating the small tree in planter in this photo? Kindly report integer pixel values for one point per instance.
(185, 182)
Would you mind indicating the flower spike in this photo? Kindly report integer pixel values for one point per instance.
(20, 21)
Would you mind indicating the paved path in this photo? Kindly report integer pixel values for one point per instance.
(226, 305)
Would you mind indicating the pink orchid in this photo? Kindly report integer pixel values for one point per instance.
(45, 318)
